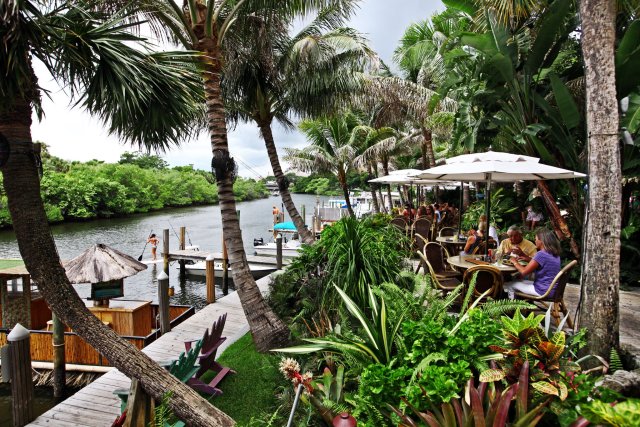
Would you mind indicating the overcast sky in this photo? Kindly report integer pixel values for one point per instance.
(74, 135)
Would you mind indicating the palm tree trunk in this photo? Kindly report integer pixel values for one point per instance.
(428, 148)
(283, 184)
(342, 179)
(38, 250)
(385, 169)
(559, 224)
(373, 186)
(599, 312)
(267, 329)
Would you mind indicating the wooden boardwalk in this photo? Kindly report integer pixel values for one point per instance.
(96, 405)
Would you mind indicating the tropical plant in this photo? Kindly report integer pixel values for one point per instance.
(331, 149)
(324, 60)
(621, 414)
(482, 407)
(501, 205)
(149, 99)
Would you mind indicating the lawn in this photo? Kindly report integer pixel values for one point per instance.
(252, 390)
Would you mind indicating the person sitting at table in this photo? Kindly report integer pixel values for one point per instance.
(474, 239)
(422, 212)
(516, 244)
(545, 264)
(482, 225)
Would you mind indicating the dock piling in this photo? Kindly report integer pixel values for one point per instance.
(183, 245)
(163, 302)
(21, 378)
(210, 279)
(165, 249)
(59, 368)
(279, 251)
(225, 267)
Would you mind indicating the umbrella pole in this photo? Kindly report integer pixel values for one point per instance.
(488, 211)
(460, 208)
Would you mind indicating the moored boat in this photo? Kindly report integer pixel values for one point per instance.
(258, 271)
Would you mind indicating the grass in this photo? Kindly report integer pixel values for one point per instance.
(251, 391)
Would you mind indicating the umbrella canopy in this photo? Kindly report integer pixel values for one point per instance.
(495, 166)
(100, 263)
(404, 176)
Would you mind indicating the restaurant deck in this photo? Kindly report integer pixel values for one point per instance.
(97, 406)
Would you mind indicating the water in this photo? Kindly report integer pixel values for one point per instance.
(129, 235)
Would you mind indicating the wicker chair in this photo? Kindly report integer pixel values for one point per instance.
(443, 284)
(447, 231)
(488, 277)
(436, 254)
(557, 300)
(401, 223)
(421, 232)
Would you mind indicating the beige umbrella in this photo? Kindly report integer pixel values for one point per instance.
(100, 263)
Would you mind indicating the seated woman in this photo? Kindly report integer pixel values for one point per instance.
(474, 239)
(545, 264)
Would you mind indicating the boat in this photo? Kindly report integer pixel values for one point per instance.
(199, 268)
(290, 246)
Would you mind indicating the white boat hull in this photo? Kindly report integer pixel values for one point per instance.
(270, 249)
(199, 269)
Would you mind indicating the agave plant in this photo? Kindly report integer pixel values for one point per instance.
(481, 406)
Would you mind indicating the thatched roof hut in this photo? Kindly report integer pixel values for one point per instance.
(101, 263)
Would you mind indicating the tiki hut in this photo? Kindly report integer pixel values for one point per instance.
(105, 268)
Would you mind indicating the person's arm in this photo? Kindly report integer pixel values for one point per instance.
(525, 270)
(521, 254)
(470, 241)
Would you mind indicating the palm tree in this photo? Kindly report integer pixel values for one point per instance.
(145, 98)
(323, 60)
(600, 273)
(331, 149)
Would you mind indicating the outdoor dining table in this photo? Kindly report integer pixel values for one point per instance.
(463, 262)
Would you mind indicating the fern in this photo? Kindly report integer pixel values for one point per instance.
(162, 412)
(615, 364)
(498, 307)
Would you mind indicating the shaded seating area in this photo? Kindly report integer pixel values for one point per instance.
(554, 295)
(211, 341)
(401, 223)
(447, 231)
(432, 261)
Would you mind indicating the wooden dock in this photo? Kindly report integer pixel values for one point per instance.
(190, 255)
(97, 406)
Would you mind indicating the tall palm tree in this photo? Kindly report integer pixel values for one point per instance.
(322, 59)
(600, 273)
(145, 98)
(331, 149)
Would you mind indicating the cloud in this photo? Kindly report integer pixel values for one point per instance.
(74, 135)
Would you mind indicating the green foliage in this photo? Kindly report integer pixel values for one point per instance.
(615, 364)
(501, 205)
(623, 414)
(138, 183)
(483, 406)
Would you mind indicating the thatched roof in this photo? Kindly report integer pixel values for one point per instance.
(101, 263)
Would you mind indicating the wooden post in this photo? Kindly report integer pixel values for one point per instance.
(183, 245)
(304, 215)
(140, 406)
(279, 251)
(165, 249)
(163, 302)
(21, 379)
(225, 268)
(59, 368)
(210, 279)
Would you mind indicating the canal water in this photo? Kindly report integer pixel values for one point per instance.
(129, 235)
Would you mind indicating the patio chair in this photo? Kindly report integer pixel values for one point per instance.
(447, 231)
(557, 300)
(487, 277)
(401, 223)
(421, 232)
(436, 254)
(211, 340)
(443, 284)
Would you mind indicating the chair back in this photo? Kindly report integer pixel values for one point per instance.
(555, 292)
(428, 270)
(447, 231)
(214, 334)
(422, 228)
(488, 277)
(401, 223)
(435, 253)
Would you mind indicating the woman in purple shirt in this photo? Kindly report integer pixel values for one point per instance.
(545, 264)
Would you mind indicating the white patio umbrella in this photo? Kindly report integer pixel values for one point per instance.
(495, 166)
(405, 177)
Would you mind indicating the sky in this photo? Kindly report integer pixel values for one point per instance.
(74, 135)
